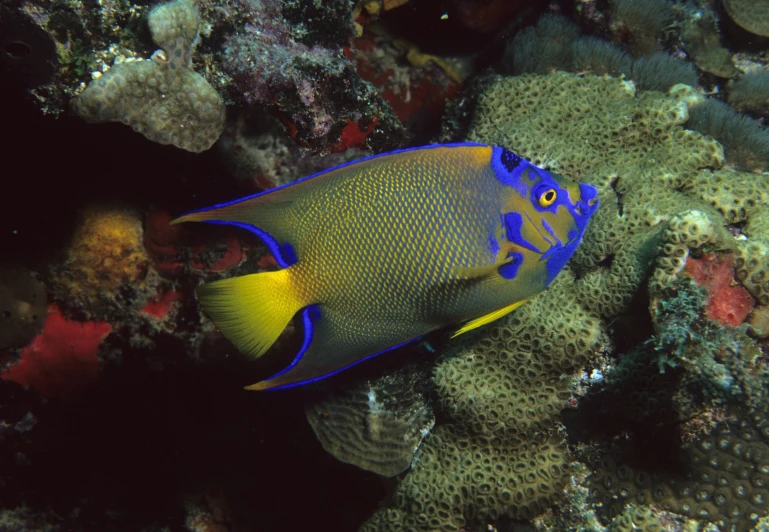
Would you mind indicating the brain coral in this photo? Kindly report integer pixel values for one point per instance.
(498, 448)
(378, 424)
(163, 99)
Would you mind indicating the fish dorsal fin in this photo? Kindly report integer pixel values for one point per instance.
(488, 318)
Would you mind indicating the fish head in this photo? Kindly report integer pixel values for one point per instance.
(544, 215)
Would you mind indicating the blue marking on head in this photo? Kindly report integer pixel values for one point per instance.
(310, 315)
(508, 168)
(268, 239)
(587, 194)
(550, 230)
(510, 270)
(513, 223)
(493, 245)
(557, 261)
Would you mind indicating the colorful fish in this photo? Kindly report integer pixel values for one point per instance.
(380, 251)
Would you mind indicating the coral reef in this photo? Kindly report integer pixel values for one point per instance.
(752, 16)
(498, 451)
(378, 424)
(702, 41)
(631, 395)
(416, 85)
(651, 173)
(314, 89)
(162, 98)
(543, 48)
(600, 57)
(62, 361)
(256, 151)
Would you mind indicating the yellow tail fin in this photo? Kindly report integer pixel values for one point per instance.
(251, 310)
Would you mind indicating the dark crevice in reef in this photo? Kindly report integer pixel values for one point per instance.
(614, 182)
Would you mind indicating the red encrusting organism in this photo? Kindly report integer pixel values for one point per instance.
(729, 303)
(62, 361)
(161, 305)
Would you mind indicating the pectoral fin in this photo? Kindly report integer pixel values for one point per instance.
(488, 318)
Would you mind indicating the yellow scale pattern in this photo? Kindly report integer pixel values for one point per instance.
(370, 292)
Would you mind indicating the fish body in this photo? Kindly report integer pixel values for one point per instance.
(378, 252)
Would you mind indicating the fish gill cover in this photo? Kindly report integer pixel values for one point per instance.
(631, 394)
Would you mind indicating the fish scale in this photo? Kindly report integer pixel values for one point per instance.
(378, 252)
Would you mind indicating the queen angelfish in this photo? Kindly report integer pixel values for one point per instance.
(377, 252)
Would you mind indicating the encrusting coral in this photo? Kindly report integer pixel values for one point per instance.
(106, 266)
(498, 449)
(161, 98)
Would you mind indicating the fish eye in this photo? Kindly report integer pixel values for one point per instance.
(547, 198)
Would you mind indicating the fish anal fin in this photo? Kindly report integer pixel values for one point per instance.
(488, 318)
(251, 310)
(323, 353)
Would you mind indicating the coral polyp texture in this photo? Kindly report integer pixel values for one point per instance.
(498, 449)
(498, 452)
(752, 16)
(161, 98)
(378, 424)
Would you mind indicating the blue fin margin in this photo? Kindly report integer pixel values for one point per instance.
(311, 314)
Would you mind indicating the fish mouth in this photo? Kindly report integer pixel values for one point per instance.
(589, 200)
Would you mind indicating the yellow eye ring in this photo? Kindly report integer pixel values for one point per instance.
(547, 198)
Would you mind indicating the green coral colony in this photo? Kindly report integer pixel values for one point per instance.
(632, 394)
